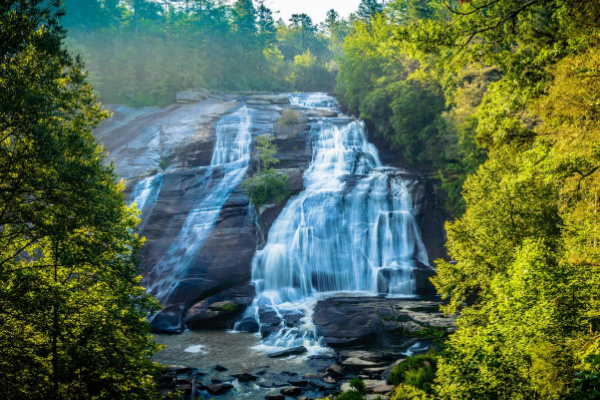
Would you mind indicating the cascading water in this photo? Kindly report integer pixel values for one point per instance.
(230, 160)
(353, 229)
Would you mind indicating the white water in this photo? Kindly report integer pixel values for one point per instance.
(230, 160)
(353, 229)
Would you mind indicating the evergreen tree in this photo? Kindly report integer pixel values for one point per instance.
(331, 23)
(367, 9)
(244, 17)
(72, 313)
(266, 24)
(303, 24)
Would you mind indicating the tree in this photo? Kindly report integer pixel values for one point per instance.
(266, 24)
(244, 17)
(303, 23)
(72, 313)
(331, 23)
(367, 9)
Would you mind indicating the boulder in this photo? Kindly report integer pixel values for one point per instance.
(247, 324)
(245, 377)
(221, 311)
(288, 352)
(350, 321)
(219, 389)
(357, 364)
(169, 320)
(336, 371)
(292, 391)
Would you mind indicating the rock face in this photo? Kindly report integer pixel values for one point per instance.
(350, 321)
(165, 157)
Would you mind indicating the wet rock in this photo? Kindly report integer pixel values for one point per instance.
(245, 377)
(347, 322)
(219, 389)
(291, 391)
(320, 384)
(329, 380)
(357, 364)
(248, 324)
(313, 376)
(206, 315)
(269, 321)
(220, 368)
(292, 319)
(288, 352)
(169, 320)
(336, 371)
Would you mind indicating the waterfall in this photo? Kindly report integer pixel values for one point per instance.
(352, 229)
(230, 160)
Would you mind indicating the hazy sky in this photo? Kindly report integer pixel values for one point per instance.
(317, 9)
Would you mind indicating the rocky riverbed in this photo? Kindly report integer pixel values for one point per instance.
(377, 334)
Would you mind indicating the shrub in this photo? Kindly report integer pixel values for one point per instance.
(407, 392)
(289, 117)
(417, 371)
(266, 188)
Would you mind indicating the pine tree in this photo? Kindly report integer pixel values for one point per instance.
(367, 9)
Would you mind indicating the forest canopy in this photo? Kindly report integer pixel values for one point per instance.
(141, 52)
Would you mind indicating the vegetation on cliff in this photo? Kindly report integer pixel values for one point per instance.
(267, 185)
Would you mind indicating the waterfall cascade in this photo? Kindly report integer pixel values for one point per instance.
(230, 160)
(352, 229)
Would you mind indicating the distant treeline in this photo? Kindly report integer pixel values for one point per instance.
(141, 52)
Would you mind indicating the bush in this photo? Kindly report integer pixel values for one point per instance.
(407, 392)
(418, 371)
(358, 385)
(289, 117)
(266, 188)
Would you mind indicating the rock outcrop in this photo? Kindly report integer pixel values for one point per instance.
(352, 321)
(175, 146)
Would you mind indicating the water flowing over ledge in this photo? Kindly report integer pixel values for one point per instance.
(352, 230)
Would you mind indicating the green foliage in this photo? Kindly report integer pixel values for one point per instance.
(143, 52)
(310, 76)
(359, 385)
(72, 311)
(408, 392)
(267, 186)
(350, 395)
(417, 371)
(289, 117)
